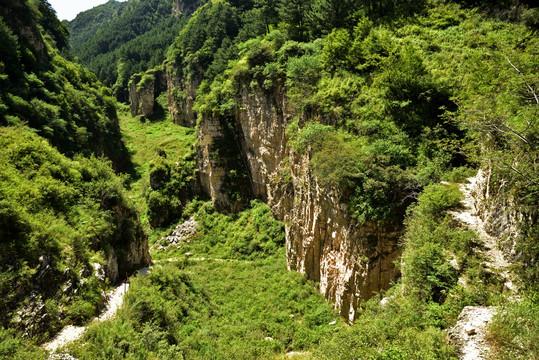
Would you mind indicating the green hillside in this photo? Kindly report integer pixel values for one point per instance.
(391, 105)
(88, 23)
(64, 211)
(116, 40)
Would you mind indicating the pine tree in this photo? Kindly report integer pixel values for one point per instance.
(294, 14)
(326, 15)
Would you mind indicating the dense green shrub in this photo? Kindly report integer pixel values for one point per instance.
(63, 101)
(58, 217)
(171, 186)
(251, 234)
(14, 347)
(402, 328)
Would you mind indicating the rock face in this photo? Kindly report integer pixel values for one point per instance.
(135, 254)
(496, 212)
(181, 102)
(142, 95)
(222, 170)
(184, 7)
(181, 94)
(350, 261)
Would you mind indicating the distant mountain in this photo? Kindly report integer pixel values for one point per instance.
(116, 40)
(88, 23)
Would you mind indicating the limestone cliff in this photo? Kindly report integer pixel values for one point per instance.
(223, 173)
(185, 7)
(181, 93)
(350, 261)
(142, 97)
(497, 212)
(181, 96)
(144, 89)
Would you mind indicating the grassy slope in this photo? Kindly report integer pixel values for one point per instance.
(257, 301)
(143, 141)
(231, 307)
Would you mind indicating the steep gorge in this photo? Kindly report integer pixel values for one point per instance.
(246, 155)
(243, 151)
(350, 261)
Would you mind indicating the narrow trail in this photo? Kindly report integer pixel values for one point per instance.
(470, 332)
(495, 260)
(72, 333)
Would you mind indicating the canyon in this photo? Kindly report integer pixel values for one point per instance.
(246, 156)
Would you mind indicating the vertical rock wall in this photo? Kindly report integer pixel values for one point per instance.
(181, 95)
(350, 261)
(498, 212)
(211, 168)
(142, 96)
(223, 173)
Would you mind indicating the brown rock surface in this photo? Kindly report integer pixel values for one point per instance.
(350, 261)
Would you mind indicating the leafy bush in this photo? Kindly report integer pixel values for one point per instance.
(514, 329)
(57, 214)
(171, 189)
(251, 234)
(61, 100)
(12, 346)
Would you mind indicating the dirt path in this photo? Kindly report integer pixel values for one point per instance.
(201, 259)
(470, 331)
(72, 333)
(495, 259)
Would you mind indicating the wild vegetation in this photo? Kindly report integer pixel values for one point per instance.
(389, 99)
(117, 40)
(63, 208)
(61, 100)
(232, 298)
(164, 164)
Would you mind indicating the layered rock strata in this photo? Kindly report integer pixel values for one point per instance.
(142, 96)
(497, 212)
(181, 95)
(350, 261)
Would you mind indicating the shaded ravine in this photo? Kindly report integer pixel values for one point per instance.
(469, 334)
(72, 333)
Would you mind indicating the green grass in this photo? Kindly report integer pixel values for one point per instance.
(515, 329)
(214, 310)
(144, 140)
(231, 305)
(249, 235)
(255, 301)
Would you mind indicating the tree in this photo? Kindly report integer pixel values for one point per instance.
(294, 14)
(57, 29)
(326, 15)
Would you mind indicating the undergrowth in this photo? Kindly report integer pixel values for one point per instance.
(239, 302)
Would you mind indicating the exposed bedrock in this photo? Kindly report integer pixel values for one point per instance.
(350, 261)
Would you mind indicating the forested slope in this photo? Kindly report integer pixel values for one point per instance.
(67, 228)
(116, 40)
